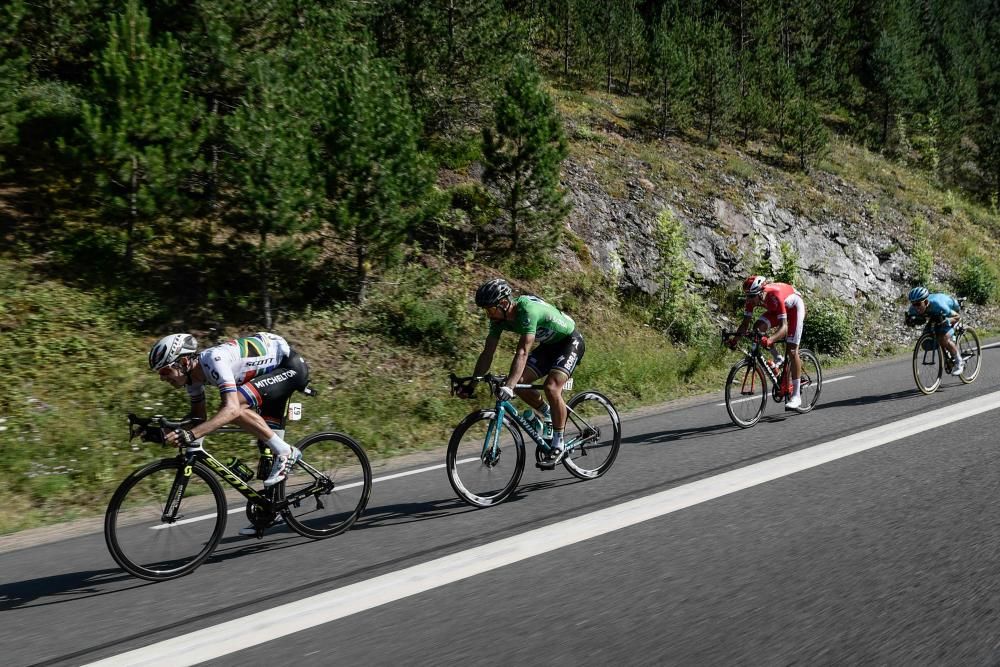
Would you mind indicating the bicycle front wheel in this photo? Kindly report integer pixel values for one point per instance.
(969, 350)
(593, 435)
(811, 380)
(746, 393)
(329, 487)
(927, 363)
(146, 545)
(484, 465)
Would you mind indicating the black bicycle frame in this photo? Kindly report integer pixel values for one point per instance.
(266, 504)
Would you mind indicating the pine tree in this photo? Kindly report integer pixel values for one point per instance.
(13, 73)
(896, 65)
(522, 153)
(274, 188)
(632, 40)
(810, 138)
(714, 75)
(140, 126)
(375, 180)
(671, 67)
(449, 51)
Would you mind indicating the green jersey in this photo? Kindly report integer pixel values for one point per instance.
(534, 316)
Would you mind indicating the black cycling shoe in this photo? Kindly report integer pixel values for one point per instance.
(549, 463)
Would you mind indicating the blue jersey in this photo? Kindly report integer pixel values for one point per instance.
(939, 305)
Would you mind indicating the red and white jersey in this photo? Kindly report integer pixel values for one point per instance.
(778, 299)
(239, 360)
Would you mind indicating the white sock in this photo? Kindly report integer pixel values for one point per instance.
(278, 446)
(557, 437)
(795, 386)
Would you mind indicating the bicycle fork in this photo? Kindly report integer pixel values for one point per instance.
(177, 489)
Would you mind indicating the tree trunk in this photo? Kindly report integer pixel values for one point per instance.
(885, 122)
(133, 213)
(264, 266)
(361, 266)
(566, 42)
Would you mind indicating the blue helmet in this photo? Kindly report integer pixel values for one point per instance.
(918, 293)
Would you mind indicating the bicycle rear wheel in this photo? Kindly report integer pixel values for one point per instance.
(484, 467)
(927, 363)
(811, 380)
(746, 393)
(593, 434)
(329, 487)
(145, 545)
(971, 353)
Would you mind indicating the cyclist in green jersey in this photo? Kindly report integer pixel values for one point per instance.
(560, 348)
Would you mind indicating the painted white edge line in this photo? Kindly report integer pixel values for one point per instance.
(755, 398)
(241, 633)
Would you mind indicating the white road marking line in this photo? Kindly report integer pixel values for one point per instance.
(983, 347)
(241, 633)
(757, 398)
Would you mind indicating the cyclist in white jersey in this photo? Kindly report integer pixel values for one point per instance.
(255, 376)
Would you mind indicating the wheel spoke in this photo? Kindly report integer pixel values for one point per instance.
(593, 435)
(485, 461)
(331, 485)
(149, 547)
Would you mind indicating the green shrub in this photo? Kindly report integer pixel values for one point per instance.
(827, 327)
(923, 257)
(409, 312)
(977, 280)
(675, 309)
(788, 268)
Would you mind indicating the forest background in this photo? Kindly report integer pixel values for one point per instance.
(346, 173)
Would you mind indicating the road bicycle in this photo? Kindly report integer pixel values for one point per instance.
(746, 386)
(166, 518)
(930, 361)
(486, 452)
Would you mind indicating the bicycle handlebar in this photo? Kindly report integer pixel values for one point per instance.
(495, 382)
(754, 335)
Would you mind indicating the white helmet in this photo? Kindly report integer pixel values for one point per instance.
(171, 348)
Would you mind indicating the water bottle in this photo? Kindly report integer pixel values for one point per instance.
(532, 419)
(240, 469)
(547, 428)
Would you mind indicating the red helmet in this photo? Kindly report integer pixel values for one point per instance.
(754, 285)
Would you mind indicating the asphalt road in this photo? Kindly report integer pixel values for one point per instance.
(888, 555)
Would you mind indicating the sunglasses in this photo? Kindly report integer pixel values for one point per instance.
(166, 369)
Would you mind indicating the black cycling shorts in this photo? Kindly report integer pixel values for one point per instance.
(269, 393)
(563, 355)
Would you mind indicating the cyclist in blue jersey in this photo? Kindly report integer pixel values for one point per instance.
(255, 376)
(941, 313)
(560, 348)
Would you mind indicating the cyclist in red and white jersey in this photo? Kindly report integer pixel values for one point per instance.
(784, 309)
(255, 376)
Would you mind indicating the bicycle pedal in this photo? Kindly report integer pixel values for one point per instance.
(545, 465)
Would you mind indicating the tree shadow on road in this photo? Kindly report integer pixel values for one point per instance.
(870, 399)
(60, 588)
(679, 434)
(398, 513)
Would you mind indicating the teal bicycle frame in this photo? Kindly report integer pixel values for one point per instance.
(491, 446)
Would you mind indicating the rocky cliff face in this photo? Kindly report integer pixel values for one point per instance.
(853, 262)
(847, 254)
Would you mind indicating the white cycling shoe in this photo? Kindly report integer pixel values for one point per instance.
(282, 463)
(794, 403)
(958, 370)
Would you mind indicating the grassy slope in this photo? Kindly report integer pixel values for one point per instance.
(73, 372)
